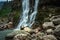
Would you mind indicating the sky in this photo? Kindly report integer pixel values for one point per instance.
(4, 0)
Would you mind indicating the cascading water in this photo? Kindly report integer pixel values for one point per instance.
(25, 17)
(33, 15)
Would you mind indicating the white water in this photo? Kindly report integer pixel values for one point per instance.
(25, 17)
(33, 15)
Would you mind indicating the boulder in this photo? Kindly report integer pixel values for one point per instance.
(40, 35)
(49, 37)
(49, 31)
(13, 35)
(10, 25)
(6, 26)
(57, 32)
(27, 29)
(48, 25)
(55, 19)
(1, 27)
(38, 29)
(20, 37)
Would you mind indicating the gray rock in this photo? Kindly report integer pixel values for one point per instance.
(57, 32)
(49, 37)
(55, 19)
(20, 37)
(16, 33)
(47, 25)
(40, 35)
(57, 28)
(49, 31)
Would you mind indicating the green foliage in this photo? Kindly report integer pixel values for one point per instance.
(4, 11)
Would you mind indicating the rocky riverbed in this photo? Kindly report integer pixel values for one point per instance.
(47, 31)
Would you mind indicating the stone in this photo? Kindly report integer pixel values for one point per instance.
(40, 35)
(16, 33)
(1, 27)
(10, 25)
(6, 26)
(57, 32)
(55, 19)
(27, 29)
(49, 31)
(57, 29)
(49, 37)
(21, 36)
(47, 25)
(37, 29)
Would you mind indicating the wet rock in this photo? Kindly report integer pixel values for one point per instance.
(38, 29)
(26, 37)
(57, 29)
(49, 31)
(47, 25)
(33, 37)
(20, 37)
(6, 26)
(40, 35)
(57, 32)
(49, 37)
(16, 33)
(55, 19)
(37, 36)
(10, 25)
(1, 27)
(27, 29)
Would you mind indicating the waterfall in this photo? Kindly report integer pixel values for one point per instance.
(25, 17)
(33, 15)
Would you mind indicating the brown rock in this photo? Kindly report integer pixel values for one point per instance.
(10, 25)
